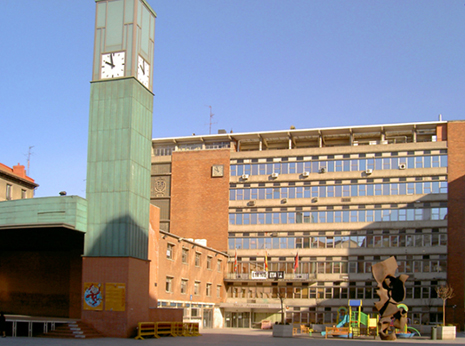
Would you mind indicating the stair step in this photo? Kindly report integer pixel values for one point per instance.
(73, 330)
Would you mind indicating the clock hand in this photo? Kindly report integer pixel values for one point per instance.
(111, 59)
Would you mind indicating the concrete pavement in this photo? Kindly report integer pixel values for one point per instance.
(226, 337)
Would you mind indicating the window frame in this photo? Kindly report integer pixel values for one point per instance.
(170, 251)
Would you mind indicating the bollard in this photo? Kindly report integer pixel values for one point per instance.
(434, 333)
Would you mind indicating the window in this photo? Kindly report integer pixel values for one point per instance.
(185, 255)
(197, 259)
(197, 288)
(208, 290)
(209, 262)
(23, 194)
(218, 291)
(195, 313)
(169, 284)
(219, 264)
(8, 192)
(183, 286)
(169, 251)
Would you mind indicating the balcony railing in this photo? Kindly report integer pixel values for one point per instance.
(269, 276)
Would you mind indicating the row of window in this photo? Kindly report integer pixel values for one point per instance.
(169, 149)
(417, 291)
(339, 267)
(9, 192)
(322, 315)
(197, 259)
(329, 242)
(343, 165)
(354, 190)
(338, 216)
(184, 287)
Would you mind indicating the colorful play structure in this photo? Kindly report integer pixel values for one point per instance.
(408, 332)
(352, 322)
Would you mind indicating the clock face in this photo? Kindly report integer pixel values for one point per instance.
(112, 65)
(217, 170)
(143, 71)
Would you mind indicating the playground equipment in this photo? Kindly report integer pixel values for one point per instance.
(407, 332)
(359, 319)
(350, 322)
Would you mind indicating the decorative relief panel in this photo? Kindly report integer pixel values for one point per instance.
(160, 187)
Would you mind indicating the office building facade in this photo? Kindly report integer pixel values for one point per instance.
(303, 214)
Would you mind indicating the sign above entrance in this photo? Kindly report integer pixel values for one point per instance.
(276, 275)
(259, 275)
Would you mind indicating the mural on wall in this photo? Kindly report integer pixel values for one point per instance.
(93, 296)
(391, 291)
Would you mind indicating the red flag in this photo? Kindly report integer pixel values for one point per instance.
(235, 260)
(266, 261)
(296, 261)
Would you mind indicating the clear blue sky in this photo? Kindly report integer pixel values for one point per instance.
(261, 64)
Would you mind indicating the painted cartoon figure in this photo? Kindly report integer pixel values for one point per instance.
(93, 296)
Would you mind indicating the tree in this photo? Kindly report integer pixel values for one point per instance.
(281, 295)
(444, 292)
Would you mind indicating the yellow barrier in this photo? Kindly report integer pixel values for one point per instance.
(192, 329)
(157, 329)
(178, 329)
(165, 328)
(145, 329)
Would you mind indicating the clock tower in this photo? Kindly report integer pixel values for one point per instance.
(118, 165)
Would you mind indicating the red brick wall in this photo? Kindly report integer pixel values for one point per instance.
(165, 315)
(154, 233)
(441, 132)
(456, 218)
(199, 203)
(130, 271)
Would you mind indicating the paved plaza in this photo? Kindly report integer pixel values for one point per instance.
(226, 337)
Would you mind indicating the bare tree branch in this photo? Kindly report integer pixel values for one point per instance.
(444, 292)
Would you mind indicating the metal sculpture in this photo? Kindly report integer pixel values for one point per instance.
(391, 291)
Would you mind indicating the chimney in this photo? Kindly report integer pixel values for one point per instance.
(19, 170)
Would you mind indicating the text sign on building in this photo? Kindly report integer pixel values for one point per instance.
(115, 296)
(259, 275)
(276, 275)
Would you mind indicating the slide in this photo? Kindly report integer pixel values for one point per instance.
(344, 320)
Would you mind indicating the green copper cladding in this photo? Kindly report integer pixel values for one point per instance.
(120, 131)
(124, 26)
(39, 212)
(143, 1)
(118, 168)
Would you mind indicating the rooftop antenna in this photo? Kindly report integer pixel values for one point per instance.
(211, 120)
(440, 117)
(29, 153)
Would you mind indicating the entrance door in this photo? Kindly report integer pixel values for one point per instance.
(237, 319)
(207, 318)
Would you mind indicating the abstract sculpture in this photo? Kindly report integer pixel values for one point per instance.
(391, 291)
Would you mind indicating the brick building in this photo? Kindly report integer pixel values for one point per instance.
(190, 276)
(321, 205)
